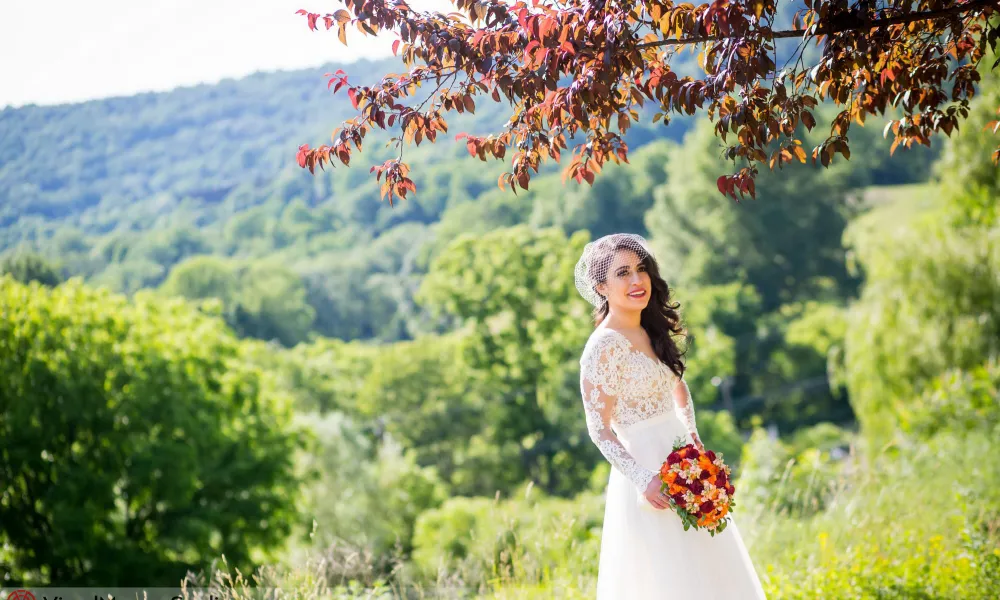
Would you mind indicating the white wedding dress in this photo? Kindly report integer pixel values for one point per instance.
(636, 407)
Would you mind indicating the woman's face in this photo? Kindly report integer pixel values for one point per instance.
(628, 285)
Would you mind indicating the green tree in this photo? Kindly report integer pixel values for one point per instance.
(138, 443)
(369, 492)
(968, 174)
(802, 371)
(272, 304)
(261, 300)
(931, 303)
(513, 292)
(618, 200)
(203, 277)
(28, 266)
(423, 394)
(785, 244)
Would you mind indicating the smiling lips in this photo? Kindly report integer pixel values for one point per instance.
(637, 294)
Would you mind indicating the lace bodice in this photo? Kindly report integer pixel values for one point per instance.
(622, 386)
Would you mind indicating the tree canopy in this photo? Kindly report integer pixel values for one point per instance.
(580, 72)
(137, 440)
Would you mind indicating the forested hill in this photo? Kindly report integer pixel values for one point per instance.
(196, 192)
(82, 163)
(122, 190)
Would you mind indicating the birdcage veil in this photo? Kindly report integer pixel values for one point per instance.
(597, 257)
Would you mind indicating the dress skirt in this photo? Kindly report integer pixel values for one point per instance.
(645, 552)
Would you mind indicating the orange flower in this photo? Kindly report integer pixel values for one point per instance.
(694, 499)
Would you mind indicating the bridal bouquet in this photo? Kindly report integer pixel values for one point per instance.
(698, 486)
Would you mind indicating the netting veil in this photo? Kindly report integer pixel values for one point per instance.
(597, 258)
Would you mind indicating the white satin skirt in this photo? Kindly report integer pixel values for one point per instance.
(645, 552)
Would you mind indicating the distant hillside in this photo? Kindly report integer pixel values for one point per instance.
(94, 163)
(120, 191)
(196, 192)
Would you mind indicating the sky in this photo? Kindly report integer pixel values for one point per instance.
(64, 51)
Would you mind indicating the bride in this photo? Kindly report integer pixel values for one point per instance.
(637, 403)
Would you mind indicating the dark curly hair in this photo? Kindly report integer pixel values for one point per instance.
(660, 318)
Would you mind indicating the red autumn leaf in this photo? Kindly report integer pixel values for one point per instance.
(617, 57)
(523, 178)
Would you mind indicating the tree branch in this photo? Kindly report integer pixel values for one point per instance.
(852, 26)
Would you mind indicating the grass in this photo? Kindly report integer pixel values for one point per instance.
(920, 521)
(910, 521)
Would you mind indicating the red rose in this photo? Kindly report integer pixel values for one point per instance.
(721, 480)
(696, 487)
(679, 499)
(707, 507)
(704, 474)
(730, 490)
(710, 455)
(673, 458)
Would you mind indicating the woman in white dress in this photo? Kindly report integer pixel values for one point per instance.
(637, 403)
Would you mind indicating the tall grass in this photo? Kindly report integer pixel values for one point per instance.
(910, 521)
(915, 520)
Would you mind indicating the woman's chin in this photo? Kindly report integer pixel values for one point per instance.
(638, 303)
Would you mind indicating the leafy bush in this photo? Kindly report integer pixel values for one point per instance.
(367, 494)
(929, 305)
(529, 538)
(261, 300)
(28, 266)
(137, 442)
(959, 401)
(718, 431)
(792, 480)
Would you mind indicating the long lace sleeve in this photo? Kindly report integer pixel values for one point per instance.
(685, 407)
(600, 381)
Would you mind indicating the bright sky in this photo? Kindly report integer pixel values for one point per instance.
(68, 50)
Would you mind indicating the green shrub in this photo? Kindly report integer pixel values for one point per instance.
(528, 539)
(718, 431)
(367, 495)
(959, 400)
(929, 305)
(793, 479)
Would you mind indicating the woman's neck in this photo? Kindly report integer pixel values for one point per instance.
(618, 319)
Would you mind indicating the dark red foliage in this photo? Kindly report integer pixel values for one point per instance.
(919, 56)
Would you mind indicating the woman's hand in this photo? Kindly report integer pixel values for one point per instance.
(697, 442)
(654, 496)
